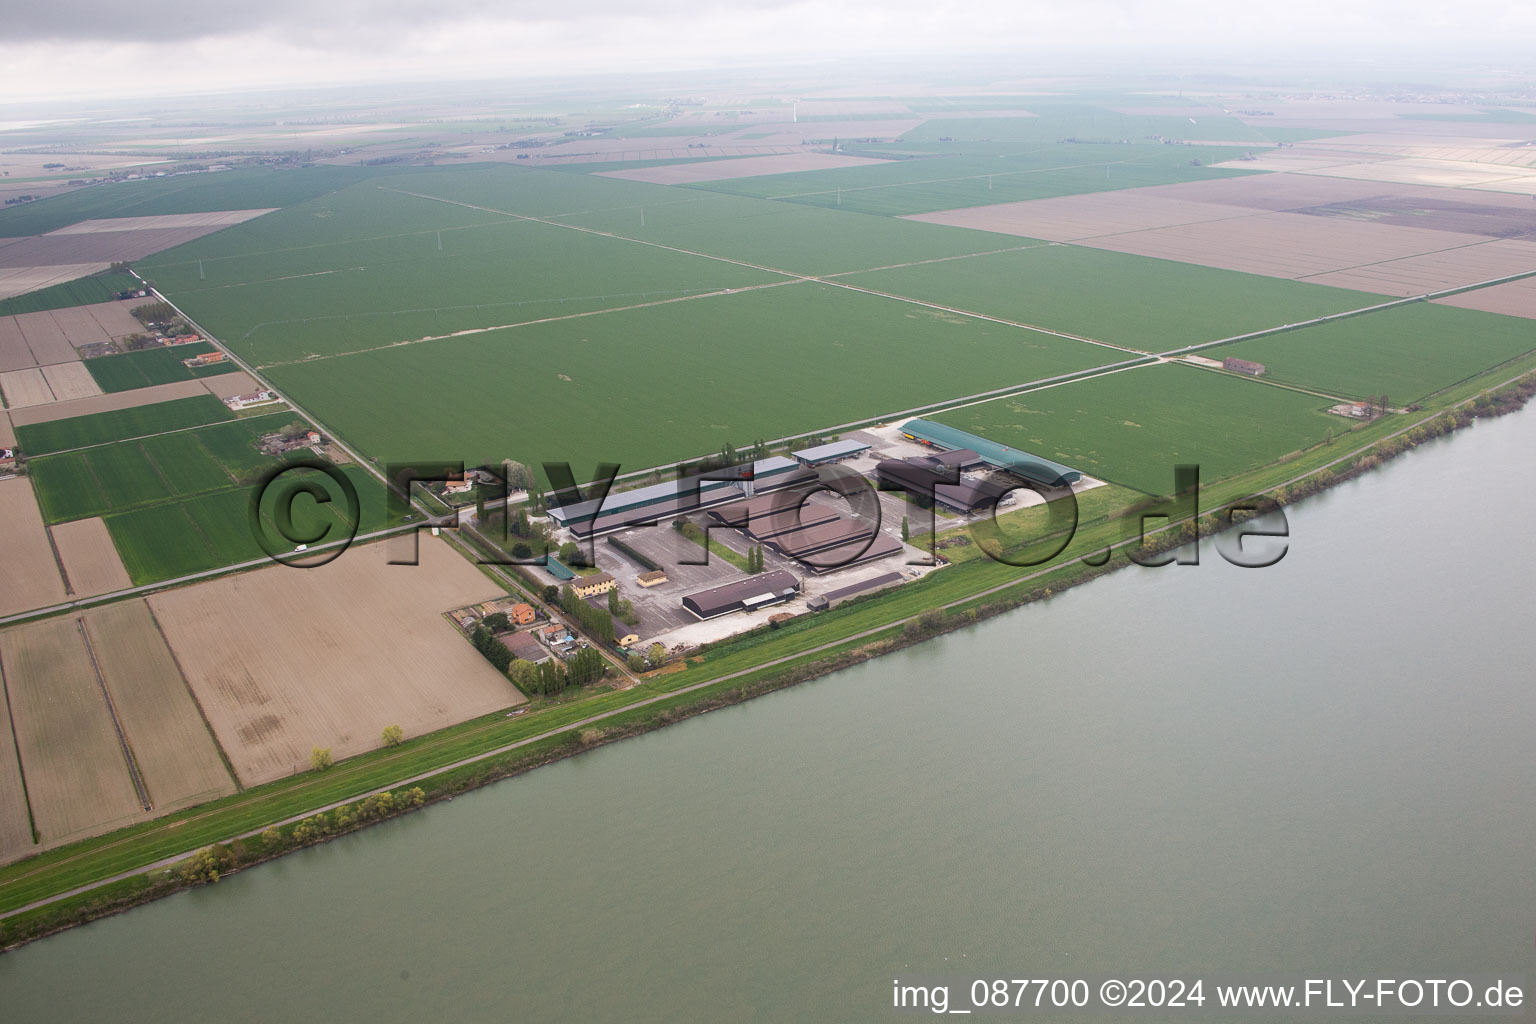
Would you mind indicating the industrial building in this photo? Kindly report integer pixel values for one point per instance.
(833, 598)
(651, 504)
(815, 535)
(835, 451)
(744, 595)
(1021, 464)
(931, 478)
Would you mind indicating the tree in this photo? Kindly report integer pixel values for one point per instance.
(393, 735)
(570, 553)
(524, 675)
(550, 593)
(498, 622)
(516, 475)
(520, 523)
(206, 865)
(613, 601)
(906, 530)
(521, 550)
(479, 505)
(585, 666)
(635, 662)
(320, 758)
(657, 654)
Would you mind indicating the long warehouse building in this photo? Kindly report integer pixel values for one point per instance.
(1021, 464)
(620, 509)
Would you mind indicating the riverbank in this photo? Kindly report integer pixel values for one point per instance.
(728, 674)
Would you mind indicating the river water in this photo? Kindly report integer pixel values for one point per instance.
(1323, 768)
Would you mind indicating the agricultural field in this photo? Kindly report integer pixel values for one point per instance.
(106, 427)
(925, 185)
(178, 503)
(819, 355)
(1406, 352)
(76, 772)
(1148, 304)
(91, 564)
(1132, 427)
(15, 820)
(787, 237)
(81, 292)
(149, 367)
(227, 190)
(31, 573)
(100, 403)
(176, 754)
(444, 269)
(270, 703)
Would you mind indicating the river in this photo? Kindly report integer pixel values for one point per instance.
(1322, 768)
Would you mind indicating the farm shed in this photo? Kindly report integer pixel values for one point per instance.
(754, 592)
(649, 504)
(1012, 460)
(833, 598)
(823, 454)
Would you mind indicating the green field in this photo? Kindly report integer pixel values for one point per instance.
(105, 427)
(212, 530)
(151, 366)
(1405, 352)
(1132, 428)
(244, 189)
(83, 292)
(179, 503)
(654, 385)
(127, 474)
(936, 182)
(1137, 301)
(360, 290)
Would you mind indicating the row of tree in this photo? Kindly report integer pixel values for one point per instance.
(594, 621)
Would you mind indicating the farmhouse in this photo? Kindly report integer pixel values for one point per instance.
(206, 359)
(586, 586)
(521, 614)
(825, 454)
(1021, 464)
(744, 595)
(1237, 365)
(238, 402)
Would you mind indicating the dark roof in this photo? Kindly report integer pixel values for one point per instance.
(810, 539)
(777, 585)
(853, 553)
(689, 492)
(587, 581)
(769, 515)
(853, 589)
(524, 646)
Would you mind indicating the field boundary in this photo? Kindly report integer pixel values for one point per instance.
(21, 771)
(117, 725)
(229, 766)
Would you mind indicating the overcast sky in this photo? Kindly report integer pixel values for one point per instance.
(62, 48)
